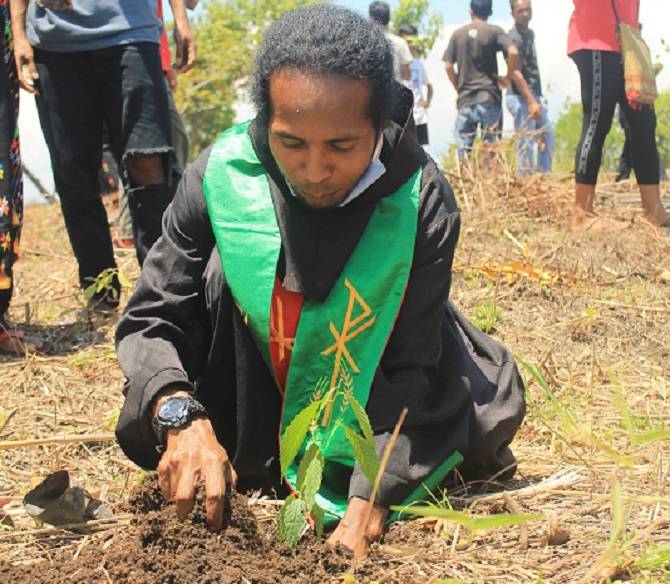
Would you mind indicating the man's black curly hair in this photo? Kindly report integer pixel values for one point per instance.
(327, 40)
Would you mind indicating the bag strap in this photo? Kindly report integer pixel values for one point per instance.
(616, 12)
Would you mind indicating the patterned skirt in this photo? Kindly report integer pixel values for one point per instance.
(11, 180)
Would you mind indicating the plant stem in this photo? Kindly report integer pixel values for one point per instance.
(382, 466)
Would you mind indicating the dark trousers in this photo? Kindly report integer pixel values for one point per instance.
(602, 86)
(120, 88)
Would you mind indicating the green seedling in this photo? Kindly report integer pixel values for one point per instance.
(304, 433)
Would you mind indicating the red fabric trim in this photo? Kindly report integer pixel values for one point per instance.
(284, 318)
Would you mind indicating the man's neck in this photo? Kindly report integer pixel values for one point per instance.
(478, 19)
(521, 27)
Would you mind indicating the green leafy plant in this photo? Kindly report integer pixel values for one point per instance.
(415, 12)
(487, 316)
(105, 282)
(470, 522)
(304, 429)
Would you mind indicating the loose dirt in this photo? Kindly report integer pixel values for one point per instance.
(158, 548)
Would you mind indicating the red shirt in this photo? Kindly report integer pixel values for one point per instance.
(284, 318)
(593, 24)
(166, 55)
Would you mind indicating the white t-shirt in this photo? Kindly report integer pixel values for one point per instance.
(401, 53)
(418, 83)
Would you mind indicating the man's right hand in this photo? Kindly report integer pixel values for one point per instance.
(25, 65)
(535, 110)
(193, 453)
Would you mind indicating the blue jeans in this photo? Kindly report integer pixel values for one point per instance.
(535, 138)
(486, 116)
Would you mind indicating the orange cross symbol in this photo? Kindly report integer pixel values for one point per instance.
(351, 328)
(277, 330)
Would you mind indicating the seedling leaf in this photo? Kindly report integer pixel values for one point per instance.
(295, 434)
(362, 419)
(312, 479)
(312, 451)
(292, 519)
(317, 516)
(364, 452)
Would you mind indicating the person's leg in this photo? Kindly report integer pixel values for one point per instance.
(179, 138)
(625, 159)
(642, 123)
(599, 91)
(466, 130)
(490, 120)
(138, 117)
(519, 110)
(69, 111)
(545, 143)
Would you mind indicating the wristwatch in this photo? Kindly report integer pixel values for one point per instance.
(175, 412)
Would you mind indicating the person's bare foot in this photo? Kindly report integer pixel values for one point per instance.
(582, 221)
(659, 217)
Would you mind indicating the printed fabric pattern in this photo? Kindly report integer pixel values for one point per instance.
(11, 179)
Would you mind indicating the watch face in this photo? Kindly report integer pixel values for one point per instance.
(173, 410)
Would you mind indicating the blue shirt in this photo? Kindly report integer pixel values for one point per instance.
(92, 24)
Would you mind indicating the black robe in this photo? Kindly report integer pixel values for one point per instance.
(181, 329)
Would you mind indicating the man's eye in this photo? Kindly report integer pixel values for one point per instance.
(342, 147)
(292, 144)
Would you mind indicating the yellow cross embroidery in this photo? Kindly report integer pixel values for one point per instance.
(277, 331)
(350, 330)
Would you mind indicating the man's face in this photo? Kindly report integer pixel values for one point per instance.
(321, 134)
(522, 12)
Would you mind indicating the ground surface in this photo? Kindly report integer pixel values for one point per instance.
(590, 315)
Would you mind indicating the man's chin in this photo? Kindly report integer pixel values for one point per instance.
(328, 201)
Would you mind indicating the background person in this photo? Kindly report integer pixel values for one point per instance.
(97, 63)
(11, 185)
(593, 45)
(380, 13)
(420, 85)
(472, 67)
(535, 138)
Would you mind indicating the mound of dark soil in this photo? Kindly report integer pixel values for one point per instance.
(157, 548)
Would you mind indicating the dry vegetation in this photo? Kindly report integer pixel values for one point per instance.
(588, 313)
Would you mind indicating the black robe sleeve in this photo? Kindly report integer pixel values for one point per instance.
(163, 338)
(409, 374)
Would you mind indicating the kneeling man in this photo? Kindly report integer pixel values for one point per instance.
(316, 238)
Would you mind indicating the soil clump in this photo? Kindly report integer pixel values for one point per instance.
(158, 548)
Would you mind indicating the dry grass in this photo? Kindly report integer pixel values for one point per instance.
(591, 312)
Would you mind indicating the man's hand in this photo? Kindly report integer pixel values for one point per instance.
(535, 110)
(193, 453)
(183, 37)
(25, 65)
(352, 534)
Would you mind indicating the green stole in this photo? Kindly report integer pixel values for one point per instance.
(352, 326)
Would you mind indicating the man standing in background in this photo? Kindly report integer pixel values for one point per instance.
(472, 67)
(380, 13)
(531, 122)
(92, 64)
(180, 144)
(419, 84)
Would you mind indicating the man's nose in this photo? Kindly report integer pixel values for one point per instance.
(317, 167)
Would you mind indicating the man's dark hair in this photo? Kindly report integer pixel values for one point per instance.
(327, 40)
(407, 30)
(481, 8)
(380, 12)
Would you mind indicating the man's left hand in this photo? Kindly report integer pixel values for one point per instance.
(351, 534)
(186, 48)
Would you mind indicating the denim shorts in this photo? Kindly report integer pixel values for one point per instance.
(485, 116)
